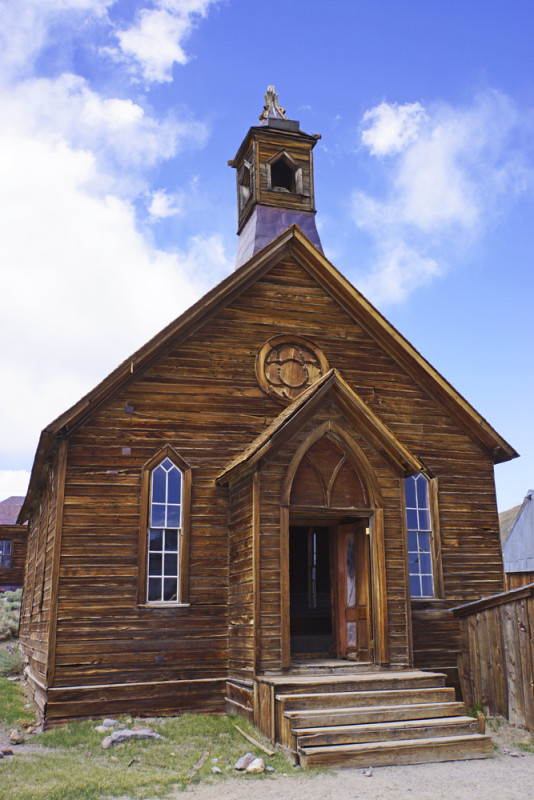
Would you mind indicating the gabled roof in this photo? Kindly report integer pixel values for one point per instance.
(292, 242)
(9, 509)
(294, 416)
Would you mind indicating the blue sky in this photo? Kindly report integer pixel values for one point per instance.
(118, 208)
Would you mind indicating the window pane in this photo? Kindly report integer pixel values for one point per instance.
(167, 464)
(425, 561)
(411, 520)
(158, 515)
(170, 586)
(155, 540)
(154, 564)
(412, 541)
(409, 491)
(428, 588)
(413, 560)
(173, 516)
(175, 486)
(424, 542)
(171, 540)
(422, 492)
(424, 520)
(171, 564)
(159, 480)
(154, 589)
(415, 586)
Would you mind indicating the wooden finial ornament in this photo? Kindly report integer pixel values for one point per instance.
(272, 109)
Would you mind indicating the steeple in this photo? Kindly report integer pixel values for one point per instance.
(274, 170)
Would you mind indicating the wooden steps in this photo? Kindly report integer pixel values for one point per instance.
(369, 719)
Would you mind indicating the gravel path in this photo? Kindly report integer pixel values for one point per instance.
(499, 778)
(504, 777)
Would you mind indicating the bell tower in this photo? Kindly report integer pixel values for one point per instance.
(274, 171)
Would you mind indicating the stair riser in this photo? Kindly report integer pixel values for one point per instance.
(389, 734)
(355, 699)
(393, 756)
(354, 716)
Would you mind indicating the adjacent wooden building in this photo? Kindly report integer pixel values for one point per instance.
(13, 539)
(518, 546)
(276, 495)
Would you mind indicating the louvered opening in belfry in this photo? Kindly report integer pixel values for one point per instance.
(327, 478)
(283, 176)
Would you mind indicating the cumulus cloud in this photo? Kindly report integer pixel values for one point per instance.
(83, 282)
(390, 127)
(163, 205)
(449, 172)
(155, 41)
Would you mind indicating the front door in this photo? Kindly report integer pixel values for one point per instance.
(353, 612)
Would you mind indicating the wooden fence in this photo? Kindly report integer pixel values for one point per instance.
(496, 664)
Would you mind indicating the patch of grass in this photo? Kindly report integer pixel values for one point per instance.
(9, 662)
(494, 723)
(74, 765)
(473, 710)
(9, 613)
(13, 710)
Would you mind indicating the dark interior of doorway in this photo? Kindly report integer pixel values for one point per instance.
(310, 591)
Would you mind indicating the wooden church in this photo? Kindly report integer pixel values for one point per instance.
(269, 508)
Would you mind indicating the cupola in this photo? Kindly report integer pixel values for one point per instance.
(274, 171)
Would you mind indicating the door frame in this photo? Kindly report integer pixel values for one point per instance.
(328, 516)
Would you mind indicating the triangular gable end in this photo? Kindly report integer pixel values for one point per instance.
(289, 421)
(295, 243)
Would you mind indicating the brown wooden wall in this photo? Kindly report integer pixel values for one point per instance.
(38, 599)
(203, 398)
(18, 536)
(513, 580)
(241, 580)
(497, 657)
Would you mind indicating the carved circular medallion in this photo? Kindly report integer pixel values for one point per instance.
(286, 365)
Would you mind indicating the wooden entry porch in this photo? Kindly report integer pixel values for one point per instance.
(361, 715)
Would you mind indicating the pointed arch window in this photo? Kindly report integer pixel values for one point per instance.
(423, 536)
(164, 544)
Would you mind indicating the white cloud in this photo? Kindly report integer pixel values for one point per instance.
(155, 42)
(26, 26)
(13, 483)
(398, 271)
(163, 205)
(91, 286)
(83, 284)
(392, 127)
(451, 172)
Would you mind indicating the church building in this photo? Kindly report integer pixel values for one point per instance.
(270, 508)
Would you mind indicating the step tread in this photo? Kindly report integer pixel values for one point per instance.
(308, 712)
(380, 726)
(368, 677)
(399, 744)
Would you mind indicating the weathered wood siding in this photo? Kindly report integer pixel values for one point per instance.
(36, 631)
(241, 580)
(497, 657)
(513, 580)
(18, 536)
(202, 397)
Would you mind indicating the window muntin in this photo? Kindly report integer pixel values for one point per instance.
(5, 553)
(164, 533)
(419, 527)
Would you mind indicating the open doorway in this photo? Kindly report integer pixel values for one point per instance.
(330, 599)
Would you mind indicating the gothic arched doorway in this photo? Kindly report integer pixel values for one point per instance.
(329, 519)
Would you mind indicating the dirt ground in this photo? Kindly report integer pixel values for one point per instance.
(507, 776)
